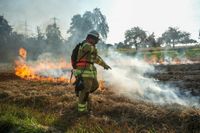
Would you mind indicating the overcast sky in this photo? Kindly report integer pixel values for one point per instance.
(152, 15)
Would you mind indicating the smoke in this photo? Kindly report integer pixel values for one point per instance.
(47, 65)
(179, 57)
(128, 79)
(37, 12)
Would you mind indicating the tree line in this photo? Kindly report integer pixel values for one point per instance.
(136, 37)
(51, 40)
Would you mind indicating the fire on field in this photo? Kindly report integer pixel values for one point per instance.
(40, 96)
(56, 104)
(35, 71)
(31, 71)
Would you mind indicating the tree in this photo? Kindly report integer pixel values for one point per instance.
(185, 38)
(5, 36)
(53, 33)
(135, 36)
(81, 25)
(159, 41)
(199, 34)
(5, 29)
(171, 36)
(40, 35)
(119, 45)
(174, 36)
(100, 23)
(54, 38)
(151, 41)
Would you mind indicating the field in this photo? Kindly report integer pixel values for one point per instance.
(28, 106)
(192, 53)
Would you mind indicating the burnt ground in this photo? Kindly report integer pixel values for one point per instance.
(111, 113)
(184, 76)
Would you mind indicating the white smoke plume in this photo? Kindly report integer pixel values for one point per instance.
(47, 65)
(128, 79)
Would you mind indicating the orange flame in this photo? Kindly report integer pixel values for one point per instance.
(29, 72)
(155, 60)
(22, 53)
(102, 85)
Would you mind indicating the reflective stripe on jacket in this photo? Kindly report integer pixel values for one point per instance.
(85, 67)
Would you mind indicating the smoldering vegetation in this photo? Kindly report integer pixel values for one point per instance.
(183, 76)
(134, 100)
(138, 97)
(130, 79)
(112, 112)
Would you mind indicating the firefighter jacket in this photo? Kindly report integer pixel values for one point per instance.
(87, 56)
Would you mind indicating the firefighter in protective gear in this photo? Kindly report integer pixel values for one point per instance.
(86, 71)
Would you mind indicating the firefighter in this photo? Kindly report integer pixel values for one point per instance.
(86, 72)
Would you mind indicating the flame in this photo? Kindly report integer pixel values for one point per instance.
(22, 53)
(30, 71)
(102, 85)
(170, 61)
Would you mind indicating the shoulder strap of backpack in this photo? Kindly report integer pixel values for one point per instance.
(83, 55)
(78, 61)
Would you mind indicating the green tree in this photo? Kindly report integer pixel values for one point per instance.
(159, 41)
(151, 41)
(53, 38)
(100, 23)
(81, 25)
(40, 35)
(5, 29)
(119, 45)
(5, 36)
(185, 38)
(174, 36)
(135, 36)
(171, 36)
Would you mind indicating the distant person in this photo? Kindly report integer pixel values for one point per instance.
(85, 71)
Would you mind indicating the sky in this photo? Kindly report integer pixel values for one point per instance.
(151, 15)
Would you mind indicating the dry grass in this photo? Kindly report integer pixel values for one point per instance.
(111, 113)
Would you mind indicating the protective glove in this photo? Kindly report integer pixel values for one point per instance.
(107, 67)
